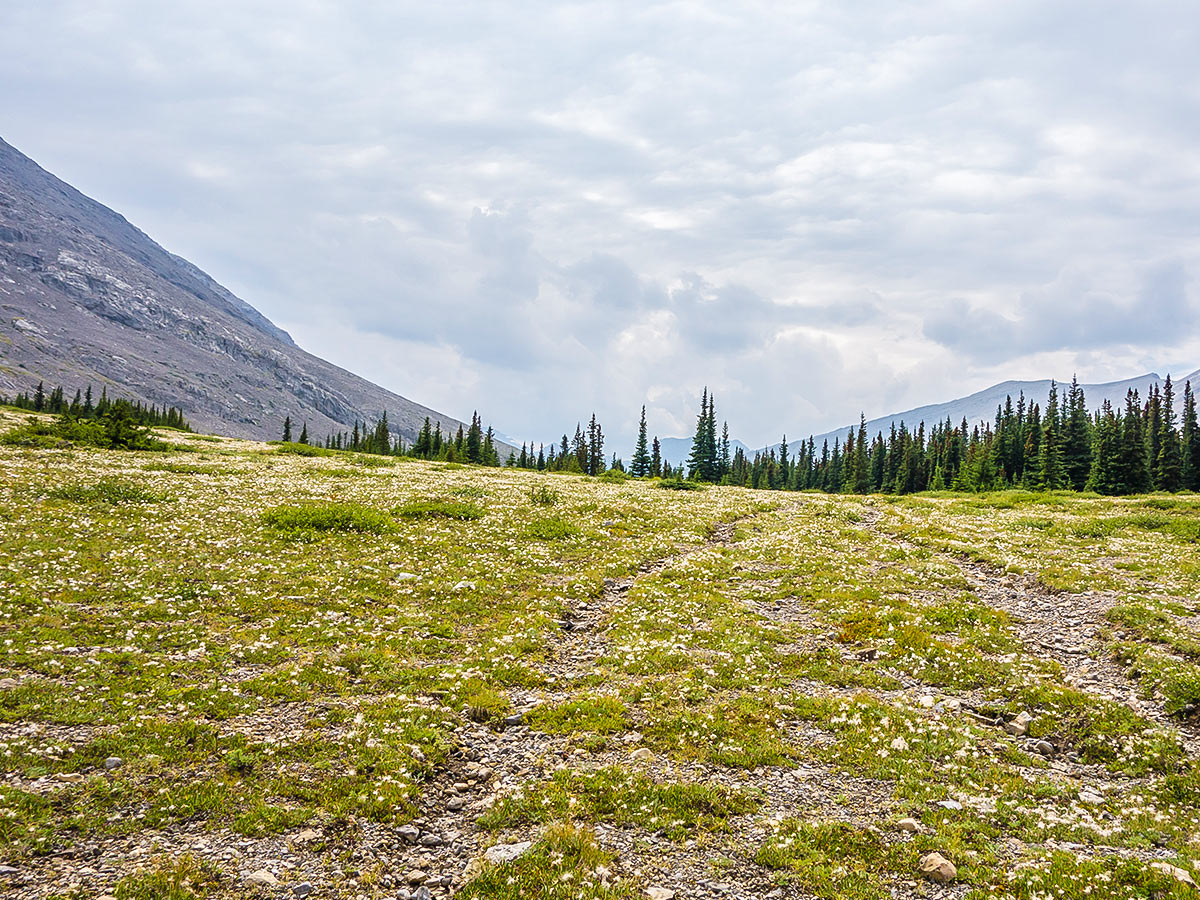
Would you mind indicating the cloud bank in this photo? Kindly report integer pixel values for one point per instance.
(542, 208)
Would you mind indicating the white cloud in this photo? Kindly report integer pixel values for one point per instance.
(539, 209)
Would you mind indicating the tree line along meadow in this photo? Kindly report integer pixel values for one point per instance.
(1136, 448)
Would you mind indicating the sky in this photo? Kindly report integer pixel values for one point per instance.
(544, 209)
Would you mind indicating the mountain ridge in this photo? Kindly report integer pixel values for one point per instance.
(86, 297)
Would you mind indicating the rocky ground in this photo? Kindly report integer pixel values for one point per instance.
(722, 696)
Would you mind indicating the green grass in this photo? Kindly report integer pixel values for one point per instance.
(566, 864)
(615, 796)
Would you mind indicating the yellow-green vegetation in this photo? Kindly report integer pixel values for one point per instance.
(231, 645)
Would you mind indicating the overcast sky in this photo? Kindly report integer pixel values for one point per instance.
(544, 208)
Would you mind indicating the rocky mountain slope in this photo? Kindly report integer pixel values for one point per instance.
(85, 297)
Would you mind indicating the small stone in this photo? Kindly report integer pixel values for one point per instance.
(422, 894)
(1183, 876)
(431, 840)
(106, 897)
(307, 836)
(416, 876)
(937, 868)
(867, 654)
(950, 804)
(642, 754)
(8, 684)
(660, 893)
(9, 870)
(926, 702)
(263, 877)
(911, 825)
(302, 890)
(1045, 748)
(506, 853)
(631, 737)
(512, 720)
(409, 833)
(69, 777)
(455, 804)
(1088, 796)
(1019, 726)
(113, 762)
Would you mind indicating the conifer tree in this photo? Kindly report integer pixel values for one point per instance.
(304, 433)
(287, 429)
(1105, 476)
(1051, 475)
(640, 465)
(1190, 441)
(1077, 438)
(723, 460)
(862, 469)
(1133, 472)
(656, 460)
(474, 443)
(1168, 465)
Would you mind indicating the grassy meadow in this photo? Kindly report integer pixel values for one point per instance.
(228, 669)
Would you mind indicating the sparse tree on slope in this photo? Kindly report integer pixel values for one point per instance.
(639, 466)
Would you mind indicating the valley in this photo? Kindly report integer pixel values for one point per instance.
(231, 670)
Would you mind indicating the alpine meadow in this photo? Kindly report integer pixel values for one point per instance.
(599, 450)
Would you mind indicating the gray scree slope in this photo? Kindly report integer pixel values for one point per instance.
(87, 298)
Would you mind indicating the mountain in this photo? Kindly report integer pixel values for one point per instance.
(87, 298)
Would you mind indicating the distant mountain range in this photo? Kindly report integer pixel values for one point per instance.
(87, 298)
(976, 408)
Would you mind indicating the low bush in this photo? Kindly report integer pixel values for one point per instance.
(318, 517)
(438, 509)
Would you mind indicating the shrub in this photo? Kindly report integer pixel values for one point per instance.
(543, 496)
(301, 449)
(613, 476)
(317, 517)
(679, 484)
(438, 509)
(550, 529)
(115, 431)
(108, 490)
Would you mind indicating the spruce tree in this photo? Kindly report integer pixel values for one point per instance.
(595, 448)
(1051, 475)
(1077, 438)
(639, 466)
(304, 433)
(487, 453)
(862, 469)
(1190, 441)
(474, 442)
(723, 460)
(287, 429)
(1168, 465)
(1134, 472)
(1106, 474)
(656, 461)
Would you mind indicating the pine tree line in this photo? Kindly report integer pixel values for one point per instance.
(1143, 446)
(84, 408)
